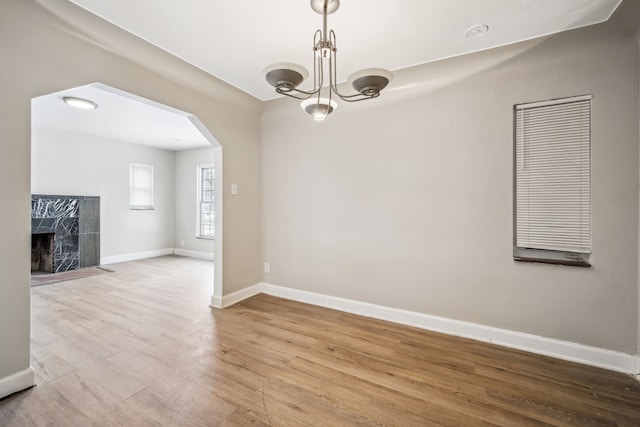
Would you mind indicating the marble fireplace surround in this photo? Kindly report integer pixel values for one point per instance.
(75, 221)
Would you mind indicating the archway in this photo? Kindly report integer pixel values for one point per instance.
(124, 117)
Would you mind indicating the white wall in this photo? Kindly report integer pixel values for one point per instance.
(186, 196)
(406, 201)
(67, 163)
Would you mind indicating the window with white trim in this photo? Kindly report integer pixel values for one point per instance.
(140, 186)
(206, 199)
(553, 181)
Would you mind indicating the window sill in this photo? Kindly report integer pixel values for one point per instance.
(553, 261)
(205, 237)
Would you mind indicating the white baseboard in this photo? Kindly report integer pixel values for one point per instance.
(17, 382)
(135, 256)
(194, 254)
(235, 297)
(216, 302)
(594, 356)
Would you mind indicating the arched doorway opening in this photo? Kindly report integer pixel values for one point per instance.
(82, 155)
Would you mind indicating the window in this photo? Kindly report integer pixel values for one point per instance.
(553, 181)
(140, 186)
(206, 198)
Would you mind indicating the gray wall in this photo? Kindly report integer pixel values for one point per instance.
(186, 188)
(406, 201)
(35, 50)
(69, 163)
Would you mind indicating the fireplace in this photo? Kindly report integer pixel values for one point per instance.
(42, 249)
(71, 225)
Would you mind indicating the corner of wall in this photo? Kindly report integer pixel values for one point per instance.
(17, 382)
(638, 277)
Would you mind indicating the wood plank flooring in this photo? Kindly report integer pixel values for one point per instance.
(140, 346)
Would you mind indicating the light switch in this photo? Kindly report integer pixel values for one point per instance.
(234, 189)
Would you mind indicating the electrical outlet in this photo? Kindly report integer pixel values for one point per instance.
(181, 242)
(266, 267)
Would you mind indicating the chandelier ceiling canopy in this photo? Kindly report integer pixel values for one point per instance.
(285, 77)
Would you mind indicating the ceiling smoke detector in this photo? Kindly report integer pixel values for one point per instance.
(477, 31)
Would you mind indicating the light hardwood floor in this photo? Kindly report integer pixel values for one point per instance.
(140, 346)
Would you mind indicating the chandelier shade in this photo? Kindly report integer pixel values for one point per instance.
(370, 81)
(285, 77)
(319, 108)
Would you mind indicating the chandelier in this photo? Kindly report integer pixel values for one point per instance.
(319, 102)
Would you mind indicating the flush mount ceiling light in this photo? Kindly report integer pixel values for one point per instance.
(286, 77)
(84, 104)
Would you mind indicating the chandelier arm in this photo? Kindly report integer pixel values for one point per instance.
(317, 63)
(356, 97)
(327, 111)
(319, 71)
(333, 63)
(296, 93)
(333, 67)
(348, 98)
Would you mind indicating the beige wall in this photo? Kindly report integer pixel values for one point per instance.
(638, 347)
(406, 201)
(42, 54)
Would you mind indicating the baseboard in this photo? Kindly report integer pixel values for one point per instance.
(236, 297)
(565, 350)
(194, 254)
(216, 302)
(135, 256)
(17, 382)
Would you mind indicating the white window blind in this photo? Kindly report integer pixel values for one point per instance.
(553, 175)
(140, 186)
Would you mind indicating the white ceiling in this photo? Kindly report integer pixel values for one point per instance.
(235, 40)
(120, 116)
